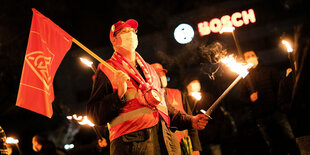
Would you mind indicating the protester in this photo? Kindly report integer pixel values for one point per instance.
(211, 136)
(98, 147)
(43, 146)
(261, 89)
(130, 99)
(188, 139)
(299, 106)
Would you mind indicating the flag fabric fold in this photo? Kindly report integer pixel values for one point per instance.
(47, 46)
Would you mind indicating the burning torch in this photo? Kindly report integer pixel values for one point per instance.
(197, 97)
(290, 55)
(11, 140)
(83, 120)
(89, 64)
(239, 68)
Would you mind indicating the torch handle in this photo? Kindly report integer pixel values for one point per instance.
(97, 132)
(291, 58)
(237, 43)
(217, 102)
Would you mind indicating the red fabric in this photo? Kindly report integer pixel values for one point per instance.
(123, 64)
(175, 98)
(129, 126)
(47, 45)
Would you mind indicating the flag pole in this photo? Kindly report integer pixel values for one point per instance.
(93, 54)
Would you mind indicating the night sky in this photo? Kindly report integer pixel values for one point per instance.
(89, 22)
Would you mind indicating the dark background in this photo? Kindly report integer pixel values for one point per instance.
(90, 22)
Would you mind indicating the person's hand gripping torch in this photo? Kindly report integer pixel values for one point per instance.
(239, 68)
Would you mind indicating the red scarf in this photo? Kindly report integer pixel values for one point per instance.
(125, 66)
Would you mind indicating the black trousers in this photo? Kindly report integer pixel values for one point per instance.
(278, 134)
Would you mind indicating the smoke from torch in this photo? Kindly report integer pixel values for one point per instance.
(213, 53)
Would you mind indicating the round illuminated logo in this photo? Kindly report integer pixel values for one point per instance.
(183, 33)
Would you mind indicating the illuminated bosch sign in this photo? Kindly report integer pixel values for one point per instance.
(237, 19)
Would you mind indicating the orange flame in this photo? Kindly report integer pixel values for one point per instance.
(85, 121)
(78, 118)
(11, 140)
(237, 67)
(86, 62)
(196, 95)
(288, 46)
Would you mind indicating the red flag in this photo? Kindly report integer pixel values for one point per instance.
(47, 45)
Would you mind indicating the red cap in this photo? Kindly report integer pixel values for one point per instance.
(159, 68)
(120, 25)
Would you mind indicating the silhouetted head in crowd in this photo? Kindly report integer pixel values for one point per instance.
(42, 145)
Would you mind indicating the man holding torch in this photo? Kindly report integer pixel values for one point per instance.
(261, 89)
(130, 98)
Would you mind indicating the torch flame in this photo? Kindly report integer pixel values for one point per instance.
(227, 29)
(86, 62)
(69, 117)
(85, 121)
(77, 117)
(11, 140)
(196, 95)
(239, 68)
(288, 46)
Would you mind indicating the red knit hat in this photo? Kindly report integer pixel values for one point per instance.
(120, 25)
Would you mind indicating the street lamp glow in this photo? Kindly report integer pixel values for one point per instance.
(184, 33)
(69, 146)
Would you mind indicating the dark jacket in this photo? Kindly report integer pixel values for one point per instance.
(265, 81)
